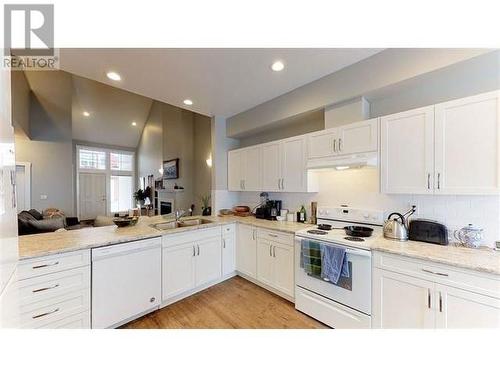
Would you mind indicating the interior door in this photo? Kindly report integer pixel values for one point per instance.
(234, 171)
(321, 144)
(293, 152)
(283, 269)
(208, 261)
(401, 301)
(407, 152)
(457, 308)
(468, 145)
(271, 167)
(178, 270)
(265, 262)
(252, 169)
(246, 251)
(92, 195)
(358, 137)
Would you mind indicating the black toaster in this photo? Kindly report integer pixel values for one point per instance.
(428, 231)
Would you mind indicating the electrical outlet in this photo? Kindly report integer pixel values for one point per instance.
(43, 197)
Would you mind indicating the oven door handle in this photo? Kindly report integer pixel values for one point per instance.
(361, 253)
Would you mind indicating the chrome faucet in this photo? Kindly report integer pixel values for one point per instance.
(181, 213)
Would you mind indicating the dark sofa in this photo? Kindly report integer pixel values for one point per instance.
(33, 222)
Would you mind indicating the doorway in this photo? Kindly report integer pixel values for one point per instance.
(23, 186)
(92, 195)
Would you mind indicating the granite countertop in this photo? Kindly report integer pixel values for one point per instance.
(37, 245)
(482, 260)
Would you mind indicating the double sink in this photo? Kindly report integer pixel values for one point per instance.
(180, 224)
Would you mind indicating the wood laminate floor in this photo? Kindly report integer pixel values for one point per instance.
(235, 303)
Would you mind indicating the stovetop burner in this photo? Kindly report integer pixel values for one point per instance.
(315, 231)
(355, 239)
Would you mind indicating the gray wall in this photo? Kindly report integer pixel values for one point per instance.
(381, 70)
(21, 96)
(202, 151)
(149, 155)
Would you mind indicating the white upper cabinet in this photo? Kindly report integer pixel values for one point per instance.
(322, 144)
(244, 171)
(450, 148)
(358, 137)
(407, 152)
(293, 165)
(271, 166)
(467, 139)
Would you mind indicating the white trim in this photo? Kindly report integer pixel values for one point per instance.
(107, 171)
(27, 177)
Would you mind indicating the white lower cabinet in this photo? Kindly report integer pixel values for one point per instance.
(246, 250)
(275, 262)
(190, 262)
(408, 293)
(228, 250)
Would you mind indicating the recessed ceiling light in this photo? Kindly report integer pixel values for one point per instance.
(134, 123)
(86, 114)
(278, 66)
(114, 76)
(188, 102)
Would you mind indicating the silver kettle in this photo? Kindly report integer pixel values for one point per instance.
(396, 225)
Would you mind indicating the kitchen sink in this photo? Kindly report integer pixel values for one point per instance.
(180, 224)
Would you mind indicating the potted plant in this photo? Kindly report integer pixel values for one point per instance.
(205, 205)
(140, 195)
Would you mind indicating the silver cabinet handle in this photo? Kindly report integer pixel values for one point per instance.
(282, 184)
(340, 144)
(435, 273)
(45, 314)
(279, 181)
(194, 251)
(334, 145)
(429, 298)
(244, 184)
(253, 234)
(272, 235)
(13, 184)
(428, 181)
(198, 249)
(47, 288)
(270, 250)
(274, 251)
(224, 243)
(440, 302)
(439, 180)
(45, 265)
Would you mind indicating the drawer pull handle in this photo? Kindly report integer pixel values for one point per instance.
(435, 273)
(47, 288)
(45, 265)
(273, 235)
(45, 314)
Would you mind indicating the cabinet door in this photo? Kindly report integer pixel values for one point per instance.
(468, 145)
(178, 270)
(228, 255)
(208, 261)
(246, 251)
(252, 180)
(283, 269)
(401, 301)
(265, 262)
(457, 308)
(358, 137)
(271, 167)
(234, 171)
(407, 152)
(320, 144)
(293, 169)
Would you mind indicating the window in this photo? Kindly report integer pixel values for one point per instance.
(92, 159)
(121, 193)
(120, 161)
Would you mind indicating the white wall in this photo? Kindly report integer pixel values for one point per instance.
(360, 188)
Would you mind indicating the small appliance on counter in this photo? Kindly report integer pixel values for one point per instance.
(429, 231)
(469, 236)
(396, 225)
(270, 210)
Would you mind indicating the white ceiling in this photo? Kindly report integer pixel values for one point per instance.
(112, 112)
(220, 82)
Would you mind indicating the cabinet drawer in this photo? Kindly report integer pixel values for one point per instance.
(45, 287)
(77, 321)
(190, 236)
(42, 313)
(228, 229)
(482, 283)
(279, 237)
(52, 263)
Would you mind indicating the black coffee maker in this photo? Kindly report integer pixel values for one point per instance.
(273, 209)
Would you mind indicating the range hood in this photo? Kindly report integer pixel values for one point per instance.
(345, 161)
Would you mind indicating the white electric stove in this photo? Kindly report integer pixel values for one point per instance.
(346, 304)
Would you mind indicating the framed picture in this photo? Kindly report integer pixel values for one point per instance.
(171, 169)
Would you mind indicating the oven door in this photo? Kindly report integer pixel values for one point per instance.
(353, 291)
